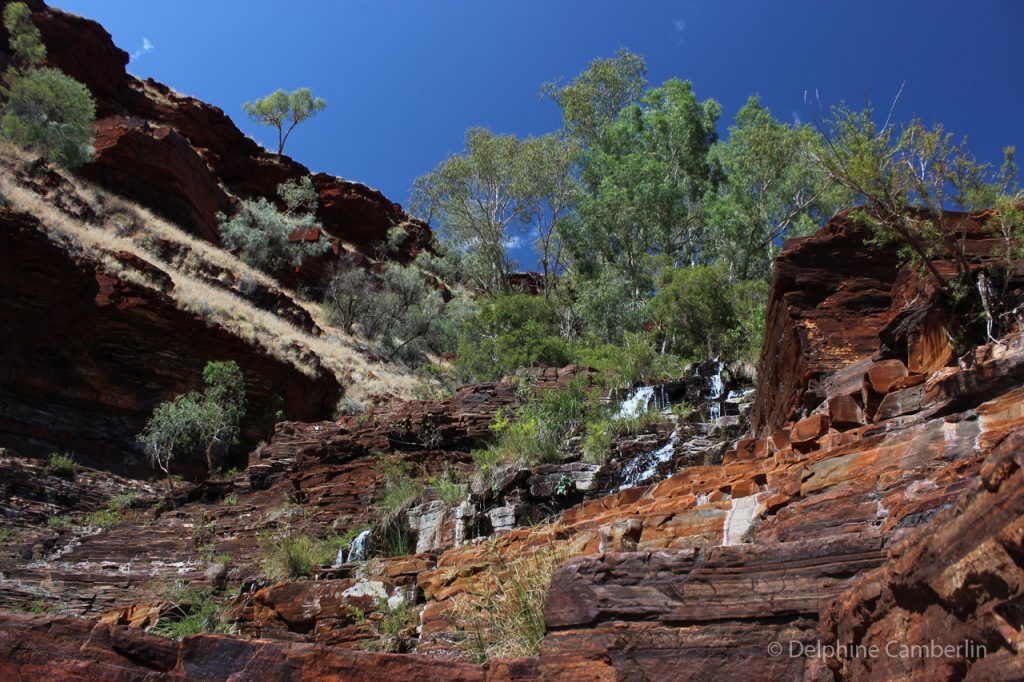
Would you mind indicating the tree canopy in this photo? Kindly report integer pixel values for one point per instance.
(283, 111)
(43, 109)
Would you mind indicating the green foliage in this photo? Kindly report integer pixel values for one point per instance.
(475, 200)
(44, 109)
(104, 518)
(401, 490)
(58, 523)
(25, 41)
(635, 360)
(592, 100)
(221, 408)
(771, 189)
(293, 556)
(50, 113)
(61, 465)
(907, 176)
(119, 503)
(537, 433)
(192, 612)
(207, 421)
(446, 487)
(646, 178)
(509, 332)
(262, 234)
(231, 500)
(683, 409)
(608, 307)
(401, 310)
(706, 315)
(284, 111)
(392, 628)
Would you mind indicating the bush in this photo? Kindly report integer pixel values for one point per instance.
(293, 556)
(50, 113)
(44, 110)
(446, 487)
(192, 612)
(260, 232)
(119, 503)
(608, 307)
(61, 465)
(509, 332)
(707, 315)
(401, 490)
(537, 433)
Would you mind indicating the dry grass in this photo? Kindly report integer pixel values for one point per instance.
(124, 226)
(505, 618)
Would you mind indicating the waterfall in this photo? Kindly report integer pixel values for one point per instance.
(644, 466)
(637, 402)
(715, 390)
(356, 549)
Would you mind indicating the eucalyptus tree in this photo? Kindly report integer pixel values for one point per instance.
(646, 179)
(771, 189)
(283, 111)
(476, 198)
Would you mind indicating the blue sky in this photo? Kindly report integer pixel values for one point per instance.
(404, 79)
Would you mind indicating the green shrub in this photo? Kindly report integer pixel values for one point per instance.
(260, 232)
(509, 332)
(61, 465)
(192, 612)
(446, 487)
(104, 518)
(401, 490)
(121, 502)
(395, 626)
(58, 523)
(293, 556)
(598, 443)
(44, 110)
(708, 315)
(538, 432)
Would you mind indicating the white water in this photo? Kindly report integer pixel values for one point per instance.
(715, 390)
(356, 550)
(644, 466)
(636, 403)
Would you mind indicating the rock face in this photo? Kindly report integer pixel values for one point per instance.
(87, 356)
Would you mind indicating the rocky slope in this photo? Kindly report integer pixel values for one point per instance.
(114, 293)
(186, 160)
(875, 503)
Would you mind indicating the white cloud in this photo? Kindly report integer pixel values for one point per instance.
(796, 118)
(146, 47)
(680, 25)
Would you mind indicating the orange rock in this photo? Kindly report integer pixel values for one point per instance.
(882, 375)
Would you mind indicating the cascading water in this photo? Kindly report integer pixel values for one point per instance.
(715, 390)
(356, 549)
(644, 466)
(636, 403)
